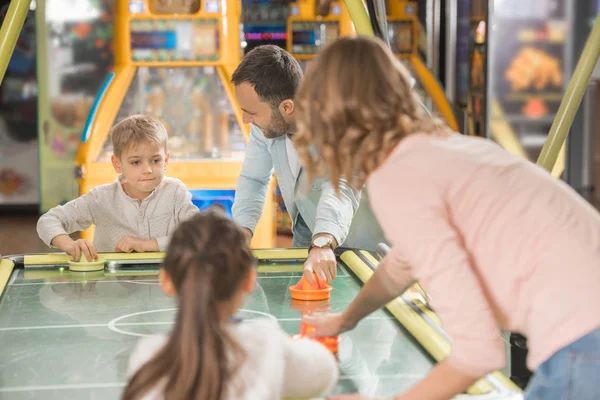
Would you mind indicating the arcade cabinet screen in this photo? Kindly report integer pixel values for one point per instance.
(256, 35)
(174, 40)
(309, 37)
(174, 6)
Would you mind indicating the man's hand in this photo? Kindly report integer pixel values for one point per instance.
(322, 262)
(127, 244)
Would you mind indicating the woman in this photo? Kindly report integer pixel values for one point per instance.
(492, 238)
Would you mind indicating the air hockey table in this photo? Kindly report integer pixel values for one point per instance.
(66, 334)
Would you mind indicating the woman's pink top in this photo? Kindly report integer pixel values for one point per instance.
(495, 241)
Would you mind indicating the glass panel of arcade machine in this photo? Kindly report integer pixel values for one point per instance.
(193, 106)
(402, 44)
(528, 50)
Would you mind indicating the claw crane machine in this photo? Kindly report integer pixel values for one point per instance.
(174, 60)
(402, 27)
(312, 24)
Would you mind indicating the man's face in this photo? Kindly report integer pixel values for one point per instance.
(257, 112)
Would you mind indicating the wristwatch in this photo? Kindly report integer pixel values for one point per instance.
(321, 242)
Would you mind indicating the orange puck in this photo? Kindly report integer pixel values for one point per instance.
(310, 294)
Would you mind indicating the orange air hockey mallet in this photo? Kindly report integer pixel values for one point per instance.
(304, 290)
(330, 342)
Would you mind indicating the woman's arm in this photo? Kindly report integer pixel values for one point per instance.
(389, 280)
(443, 383)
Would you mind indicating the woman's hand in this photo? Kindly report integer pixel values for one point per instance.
(327, 324)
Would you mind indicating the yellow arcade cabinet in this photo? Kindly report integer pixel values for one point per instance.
(403, 25)
(312, 24)
(174, 60)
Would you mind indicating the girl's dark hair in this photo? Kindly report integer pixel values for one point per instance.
(207, 260)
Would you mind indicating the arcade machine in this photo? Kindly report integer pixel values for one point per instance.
(19, 173)
(174, 60)
(312, 24)
(403, 34)
(510, 81)
(264, 22)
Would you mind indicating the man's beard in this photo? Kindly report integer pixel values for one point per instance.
(277, 126)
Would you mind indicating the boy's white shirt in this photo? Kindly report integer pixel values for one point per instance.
(116, 215)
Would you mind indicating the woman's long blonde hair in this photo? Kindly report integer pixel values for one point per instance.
(354, 106)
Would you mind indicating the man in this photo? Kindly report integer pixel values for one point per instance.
(265, 84)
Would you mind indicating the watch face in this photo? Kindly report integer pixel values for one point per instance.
(321, 241)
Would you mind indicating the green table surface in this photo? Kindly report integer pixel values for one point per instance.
(64, 335)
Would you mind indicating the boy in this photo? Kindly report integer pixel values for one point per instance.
(138, 212)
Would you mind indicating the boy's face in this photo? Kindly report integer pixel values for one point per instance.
(143, 167)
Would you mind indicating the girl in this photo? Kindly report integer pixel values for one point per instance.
(209, 355)
(494, 239)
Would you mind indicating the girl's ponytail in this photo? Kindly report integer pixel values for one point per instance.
(208, 258)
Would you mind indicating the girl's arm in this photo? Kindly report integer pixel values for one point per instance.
(447, 381)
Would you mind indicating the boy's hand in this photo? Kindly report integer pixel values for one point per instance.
(128, 244)
(80, 246)
(75, 248)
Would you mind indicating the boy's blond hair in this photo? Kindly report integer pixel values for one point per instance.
(135, 130)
